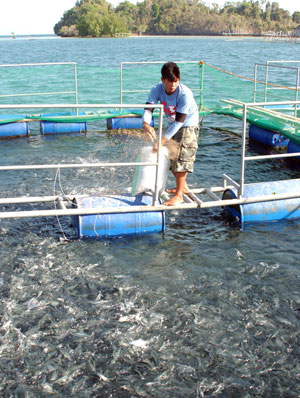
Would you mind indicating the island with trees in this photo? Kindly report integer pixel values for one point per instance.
(98, 18)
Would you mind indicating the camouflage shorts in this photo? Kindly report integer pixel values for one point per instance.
(187, 137)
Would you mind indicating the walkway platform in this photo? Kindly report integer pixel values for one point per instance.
(203, 197)
(266, 117)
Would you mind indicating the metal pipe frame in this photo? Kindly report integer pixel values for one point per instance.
(36, 94)
(44, 64)
(37, 64)
(245, 158)
(255, 79)
(243, 152)
(226, 179)
(63, 165)
(76, 86)
(158, 168)
(297, 88)
(143, 63)
(155, 206)
(201, 85)
(266, 81)
(134, 209)
(72, 166)
(273, 64)
(283, 62)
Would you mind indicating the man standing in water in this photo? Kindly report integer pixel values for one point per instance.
(183, 120)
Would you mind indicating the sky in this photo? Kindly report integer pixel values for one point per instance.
(26, 17)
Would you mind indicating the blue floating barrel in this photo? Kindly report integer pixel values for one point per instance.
(57, 128)
(293, 148)
(266, 211)
(18, 129)
(130, 122)
(267, 137)
(113, 225)
(289, 109)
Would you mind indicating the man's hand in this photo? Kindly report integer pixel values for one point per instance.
(163, 142)
(149, 131)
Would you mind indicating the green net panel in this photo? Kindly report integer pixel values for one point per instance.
(71, 117)
(224, 93)
(4, 119)
(215, 90)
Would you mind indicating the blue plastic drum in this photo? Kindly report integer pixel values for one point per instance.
(18, 129)
(267, 137)
(293, 148)
(132, 122)
(117, 224)
(266, 211)
(57, 128)
(53, 127)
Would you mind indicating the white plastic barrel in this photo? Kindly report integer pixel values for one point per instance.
(144, 178)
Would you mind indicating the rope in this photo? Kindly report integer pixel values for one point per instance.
(252, 80)
(57, 218)
(95, 222)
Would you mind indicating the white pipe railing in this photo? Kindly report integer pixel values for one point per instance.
(89, 165)
(75, 92)
(245, 158)
(155, 205)
(133, 209)
(268, 86)
(35, 94)
(72, 165)
(146, 63)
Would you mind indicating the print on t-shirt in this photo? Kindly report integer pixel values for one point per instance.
(170, 111)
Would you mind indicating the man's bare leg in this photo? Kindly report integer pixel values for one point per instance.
(180, 187)
(173, 190)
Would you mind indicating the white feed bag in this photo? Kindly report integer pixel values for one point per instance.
(144, 178)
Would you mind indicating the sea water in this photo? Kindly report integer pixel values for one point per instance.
(209, 308)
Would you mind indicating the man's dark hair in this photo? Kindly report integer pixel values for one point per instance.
(170, 71)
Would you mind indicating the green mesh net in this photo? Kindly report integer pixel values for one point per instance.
(72, 117)
(215, 90)
(5, 119)
(224, 93)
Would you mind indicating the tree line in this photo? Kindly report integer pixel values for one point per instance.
(98, 18)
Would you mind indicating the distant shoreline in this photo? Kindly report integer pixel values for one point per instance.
(227, 35)
(27, 35)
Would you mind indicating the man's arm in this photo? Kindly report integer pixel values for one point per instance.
(147, 118)
(147, 129)
(176, 125)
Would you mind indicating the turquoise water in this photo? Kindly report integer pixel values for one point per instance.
(206, 309)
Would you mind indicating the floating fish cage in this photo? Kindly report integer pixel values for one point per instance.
(117, 215)
(21, 128)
